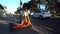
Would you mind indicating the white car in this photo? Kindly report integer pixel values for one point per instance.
(43, 14)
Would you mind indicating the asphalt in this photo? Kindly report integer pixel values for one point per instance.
(35, 29)
(4, 29)
(52, 24)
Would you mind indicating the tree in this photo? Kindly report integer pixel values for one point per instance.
(31, 5)
(17, 11)
(1, 12)
(5, 7)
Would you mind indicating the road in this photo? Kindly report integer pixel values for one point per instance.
(52, 25)
(34, 30)
(39, 27)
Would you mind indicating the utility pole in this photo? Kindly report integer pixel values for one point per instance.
(21, 10)
(21, 4)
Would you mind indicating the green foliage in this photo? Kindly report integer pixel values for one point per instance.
(1, 12)
(1, 23)
(30, 5)
(18, 10)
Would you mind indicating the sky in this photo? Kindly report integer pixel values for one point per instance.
(12, 5)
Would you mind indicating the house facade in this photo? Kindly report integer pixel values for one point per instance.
(2, 11)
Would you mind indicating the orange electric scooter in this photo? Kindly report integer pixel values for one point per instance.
(27, 23)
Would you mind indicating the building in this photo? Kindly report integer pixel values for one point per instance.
(2, 11)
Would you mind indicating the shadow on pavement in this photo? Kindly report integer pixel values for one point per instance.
(4, 29)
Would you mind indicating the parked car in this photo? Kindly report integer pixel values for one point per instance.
(42, 14)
